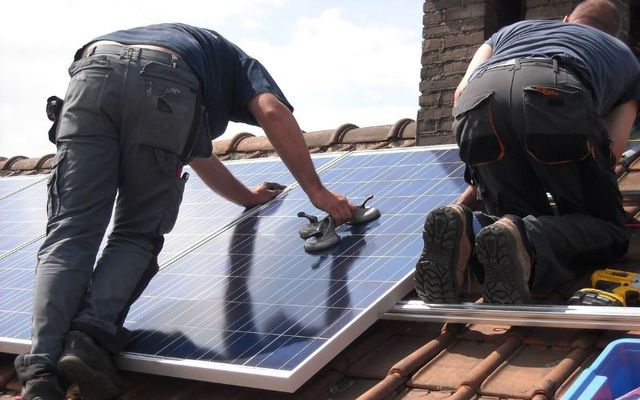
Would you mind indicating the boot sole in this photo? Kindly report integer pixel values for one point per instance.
(93, 384)
(435, 275)
(497, 249)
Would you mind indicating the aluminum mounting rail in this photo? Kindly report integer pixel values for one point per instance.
(552, 316)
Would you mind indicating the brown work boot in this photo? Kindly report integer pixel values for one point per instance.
(503, 250)
(89, 366)
(448, 244)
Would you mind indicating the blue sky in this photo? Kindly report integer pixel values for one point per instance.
(336, 61)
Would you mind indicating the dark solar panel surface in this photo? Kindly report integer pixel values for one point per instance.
(251, 296)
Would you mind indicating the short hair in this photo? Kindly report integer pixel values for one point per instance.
(600, 14)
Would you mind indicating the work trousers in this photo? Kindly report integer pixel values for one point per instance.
(527, 128)
(126, 120)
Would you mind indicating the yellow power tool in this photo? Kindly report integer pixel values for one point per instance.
(610, 287)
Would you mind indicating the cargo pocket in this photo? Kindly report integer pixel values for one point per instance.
(474, 129)
(174, 198)
(556, 124)
(168, 106)
(54, 184)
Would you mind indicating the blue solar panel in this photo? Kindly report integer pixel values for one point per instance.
(16, 295)
(12, 184)
(23, 215)
(239, 298)
(251, 297)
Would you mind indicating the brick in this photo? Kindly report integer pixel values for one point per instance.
(432, 99)
(440, 84)
(471, 39)
(433, 18)
(473, 24)
(456, 67)
(430, 72)
(442, 4)
(434, 31)
(433, 44)
(476, 10)
(435, 113)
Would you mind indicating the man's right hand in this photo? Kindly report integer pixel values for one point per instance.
(334, 204)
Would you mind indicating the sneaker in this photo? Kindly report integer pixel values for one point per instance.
(89, 366)
(448, 244)
(43, 388)
(503, 251)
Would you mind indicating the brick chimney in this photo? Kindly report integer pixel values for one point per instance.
(454, 29)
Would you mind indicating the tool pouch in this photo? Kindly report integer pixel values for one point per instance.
(54, 108)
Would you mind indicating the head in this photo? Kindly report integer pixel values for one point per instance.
(600, 14)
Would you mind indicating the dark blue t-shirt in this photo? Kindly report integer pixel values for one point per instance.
(602, 62)
(229, 77)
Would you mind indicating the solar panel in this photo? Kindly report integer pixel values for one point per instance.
(23, 214)
(16, 297)
(249, 302)
(238, 301)
(12, 184)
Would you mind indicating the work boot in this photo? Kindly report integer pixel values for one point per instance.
(89, 366)
(503, 250)
(45, 387)
(448, 244)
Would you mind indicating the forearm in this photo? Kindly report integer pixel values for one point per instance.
(286, 137)
(619, 123)
(220, 180)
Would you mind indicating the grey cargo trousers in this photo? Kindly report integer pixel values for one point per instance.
(527, 128)
(126, 120)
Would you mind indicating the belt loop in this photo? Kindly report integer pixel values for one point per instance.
(516, 64)
(555, 72)
(174, 61)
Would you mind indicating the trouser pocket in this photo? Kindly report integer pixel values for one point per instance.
(556, 124)
(168, 105)
(474, 129)
(170, 211)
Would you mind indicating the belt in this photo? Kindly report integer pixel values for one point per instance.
(521, 61)
(146, 51)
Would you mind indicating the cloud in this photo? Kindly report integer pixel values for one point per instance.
(335, 70)
(335, 65)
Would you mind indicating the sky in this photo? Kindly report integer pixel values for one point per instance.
(337, 61)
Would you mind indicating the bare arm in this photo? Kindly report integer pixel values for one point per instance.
(483, 53)
(221, 181)
(285, 135)
(619, 123)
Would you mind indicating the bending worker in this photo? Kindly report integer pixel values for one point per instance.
(141, 103)
(544, 107)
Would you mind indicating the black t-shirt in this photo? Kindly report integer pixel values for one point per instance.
(230, 78)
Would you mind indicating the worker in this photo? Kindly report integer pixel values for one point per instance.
(545, 108)
(141, 103)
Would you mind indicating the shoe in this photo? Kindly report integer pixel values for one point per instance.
(448, 244)
(89, 366)
(43, 388)
(503, 251)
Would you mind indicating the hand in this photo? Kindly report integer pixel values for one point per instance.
(263, 193)
(336, 205)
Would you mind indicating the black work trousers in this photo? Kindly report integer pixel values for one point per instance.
(127, 118)
(526, 129)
